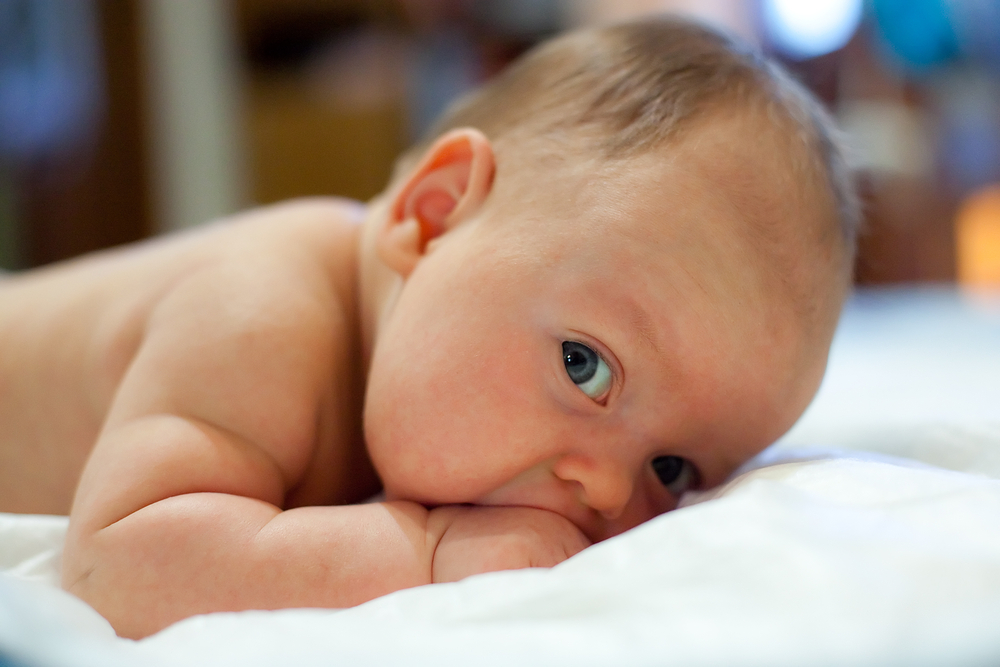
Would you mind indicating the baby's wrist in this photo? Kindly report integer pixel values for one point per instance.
(439, 520)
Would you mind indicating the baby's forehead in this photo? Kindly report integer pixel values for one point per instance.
(744, 152)
(726, 207)
(734, 177)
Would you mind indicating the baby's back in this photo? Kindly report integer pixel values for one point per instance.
(69, 332)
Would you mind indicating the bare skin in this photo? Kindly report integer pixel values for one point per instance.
(78, 326)
(203, 395)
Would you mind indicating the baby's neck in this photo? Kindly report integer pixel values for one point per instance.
(377, 284)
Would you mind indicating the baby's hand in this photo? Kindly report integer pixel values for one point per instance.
(486, 539)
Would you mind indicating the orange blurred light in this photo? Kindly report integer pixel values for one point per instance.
(977, 231)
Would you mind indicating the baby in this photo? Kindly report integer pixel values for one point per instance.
(611, 276)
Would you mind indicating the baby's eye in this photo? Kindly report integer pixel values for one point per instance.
(676, 473)
(586, 369)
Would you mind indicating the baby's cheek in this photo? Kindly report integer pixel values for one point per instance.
(449, 417)
(390, 423)
(647, 503)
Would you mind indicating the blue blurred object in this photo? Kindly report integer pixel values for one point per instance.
(919, 32)
(51, 84)
(977, 23)
(971, 151)
(968, 100)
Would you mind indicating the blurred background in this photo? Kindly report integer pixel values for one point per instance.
(121, 119)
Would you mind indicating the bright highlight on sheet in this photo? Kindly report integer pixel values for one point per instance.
(808, 29)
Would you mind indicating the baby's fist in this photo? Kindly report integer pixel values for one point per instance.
(486, 539)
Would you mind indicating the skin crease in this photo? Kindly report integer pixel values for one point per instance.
(202, 393)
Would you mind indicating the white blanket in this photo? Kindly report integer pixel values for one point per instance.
(848, 559)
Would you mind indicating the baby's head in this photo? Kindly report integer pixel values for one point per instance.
(611, 276)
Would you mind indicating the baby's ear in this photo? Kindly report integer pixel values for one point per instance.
(449, 184)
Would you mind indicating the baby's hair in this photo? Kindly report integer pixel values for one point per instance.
(628, 88)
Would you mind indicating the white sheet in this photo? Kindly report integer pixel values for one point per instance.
(829, 561)
(912, 373)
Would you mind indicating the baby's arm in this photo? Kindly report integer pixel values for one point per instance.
(179, 510)
(183, 550)
(199, 551)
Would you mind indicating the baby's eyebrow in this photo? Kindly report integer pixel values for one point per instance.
(640, 324)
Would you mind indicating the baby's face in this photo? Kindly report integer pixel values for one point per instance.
(595, 353)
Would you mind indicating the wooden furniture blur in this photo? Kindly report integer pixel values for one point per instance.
(302, 138)
(96, 195)
(301, 145)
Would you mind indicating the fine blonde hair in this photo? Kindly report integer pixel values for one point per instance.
(631, 87)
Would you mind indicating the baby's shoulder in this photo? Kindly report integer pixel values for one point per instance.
(275, 264)
(267, 313)
(310, 220)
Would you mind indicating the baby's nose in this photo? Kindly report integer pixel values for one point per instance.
(606, 486)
